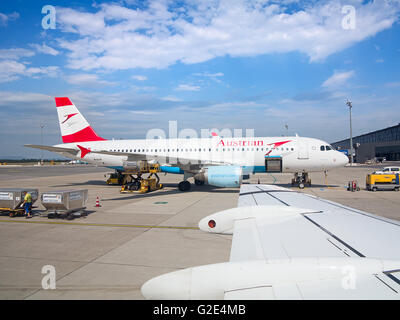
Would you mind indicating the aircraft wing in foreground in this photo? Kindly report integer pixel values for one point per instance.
(291, 245)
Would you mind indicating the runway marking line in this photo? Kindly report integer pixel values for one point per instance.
(101, 224)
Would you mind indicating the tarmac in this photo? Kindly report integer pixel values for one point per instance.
(131, 238)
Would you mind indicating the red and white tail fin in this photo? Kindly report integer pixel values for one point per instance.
(73, 125)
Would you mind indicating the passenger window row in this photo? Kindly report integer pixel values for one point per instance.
(199, 150)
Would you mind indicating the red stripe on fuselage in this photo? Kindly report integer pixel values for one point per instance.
(63, 101)
(84, 135)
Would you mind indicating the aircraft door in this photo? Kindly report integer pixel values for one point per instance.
(302, 149)
(273, 164)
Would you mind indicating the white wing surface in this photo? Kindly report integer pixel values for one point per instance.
(323, 229)
(290, 245)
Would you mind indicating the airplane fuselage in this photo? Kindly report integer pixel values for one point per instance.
(298, 154)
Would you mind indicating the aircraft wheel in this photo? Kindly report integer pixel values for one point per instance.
(301, 185)
(184, 186)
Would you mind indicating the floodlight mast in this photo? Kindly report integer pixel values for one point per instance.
(349, 103)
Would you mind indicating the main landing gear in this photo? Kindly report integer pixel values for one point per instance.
(184, 186)
(301, 180)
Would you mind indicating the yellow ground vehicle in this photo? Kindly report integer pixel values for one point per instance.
(134, 171)
(117, 178)
(149, 184)
(114, 178)
(142, 185)
(376, 182)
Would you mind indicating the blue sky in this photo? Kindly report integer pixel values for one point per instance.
(131, 66)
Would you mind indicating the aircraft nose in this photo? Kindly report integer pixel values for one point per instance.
(171, 286)
(343, 159)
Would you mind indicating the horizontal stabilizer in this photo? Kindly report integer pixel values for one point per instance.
(52, 149)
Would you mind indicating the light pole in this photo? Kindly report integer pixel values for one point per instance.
(287, 130)
(41, 142)
(351, 134)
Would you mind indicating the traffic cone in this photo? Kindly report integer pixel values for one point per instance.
(98, 205)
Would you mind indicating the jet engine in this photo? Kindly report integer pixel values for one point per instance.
(221, 176)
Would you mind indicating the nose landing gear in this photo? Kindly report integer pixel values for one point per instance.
(301, 180)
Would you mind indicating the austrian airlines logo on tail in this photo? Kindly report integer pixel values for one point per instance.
(69, 116)
(78, 130)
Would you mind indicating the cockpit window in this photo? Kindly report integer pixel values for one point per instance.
(322, 148)
(328, 148)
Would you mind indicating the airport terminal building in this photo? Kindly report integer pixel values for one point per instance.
(381, 143)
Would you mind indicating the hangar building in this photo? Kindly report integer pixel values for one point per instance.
(381, 143)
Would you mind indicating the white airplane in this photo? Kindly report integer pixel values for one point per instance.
(291, 245)
(217, 161)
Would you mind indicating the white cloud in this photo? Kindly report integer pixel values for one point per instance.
(209, 75)
(237, 105)
(86, 79)
(96, 114)
(15, 53)
(171, 98)
(144, 88)
(144, 112)
(10, 97)
(5, 18)
(338, 79)
(45, 49)
(159, 35)
(187, 87)
(12, 67)
(11, 70)
(139, 77)
(213, 76)
(50, 71)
